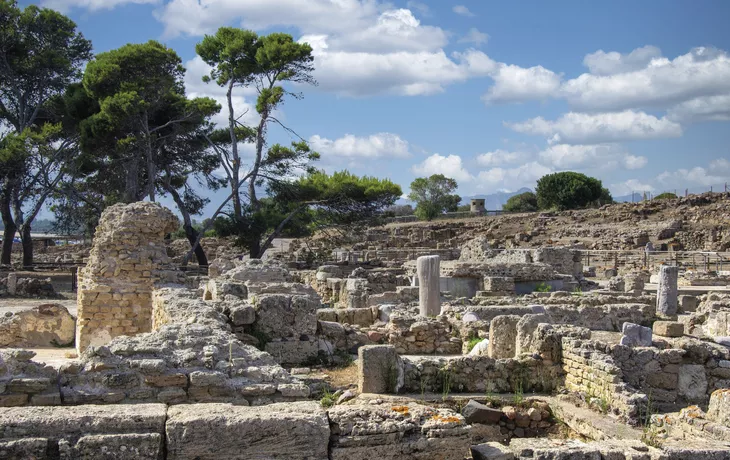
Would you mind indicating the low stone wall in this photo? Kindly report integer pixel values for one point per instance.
(420, 335)
(675, 377)
(589, 370)
(478, 374)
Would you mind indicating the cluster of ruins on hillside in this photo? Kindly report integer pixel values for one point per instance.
(463, 348)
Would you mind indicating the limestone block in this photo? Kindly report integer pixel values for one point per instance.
(526, 328)
(719, 408)
(499, 284)
(75, 421)
(668, 328)
(491, 451)
(27, 448)
(277, 431)
(692, 385)
(635, 335)
(503, 336)
(146, 446)
(687, 303)
(280, 316)
(242, 315)
(46, 325)
(378, 369)
(293, 352)
(388, 432)
(429, 293)
(256, 271)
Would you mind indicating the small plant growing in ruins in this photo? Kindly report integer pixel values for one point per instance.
(445, 375)
(473, 341)
(577, 291)
(543, 287)
(328, 399)
(519, 396)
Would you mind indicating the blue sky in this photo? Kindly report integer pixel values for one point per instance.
(492, 93)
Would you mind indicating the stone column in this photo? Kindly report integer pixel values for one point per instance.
(667, 294)
(429, 292)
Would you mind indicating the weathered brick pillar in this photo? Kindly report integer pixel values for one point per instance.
(127, 258)
(667, 294)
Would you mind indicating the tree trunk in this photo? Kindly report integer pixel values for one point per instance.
(27, 242)
(131, 188)
(190, 232)
(236, 166)
(193, 238)
(10, 227)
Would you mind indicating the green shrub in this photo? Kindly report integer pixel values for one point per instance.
(524, 202)
(666, 196)
(472, 343)
(569, 190)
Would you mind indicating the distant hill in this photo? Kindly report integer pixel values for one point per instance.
(494, 201)
(39, 226)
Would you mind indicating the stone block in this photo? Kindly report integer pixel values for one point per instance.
(292, 352)
(635, 335)
(23, 449)
(242, 315)
(76, 421)
(668, 328)
(491, 451)
(429, 292)
(692, 385)
(719, 408)
(499, 284)
(147, 446)
(687, 303)
(503, 336)
(378, 369)
(475, 412)
(277, 431)
(280, 316)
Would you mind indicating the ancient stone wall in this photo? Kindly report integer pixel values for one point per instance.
(46, 325)
(589, 370)
(127, 260)
(478, 374)
(421, 335)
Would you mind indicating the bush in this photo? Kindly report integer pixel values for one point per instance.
(524, 202)
(568, 190)
(666, 196)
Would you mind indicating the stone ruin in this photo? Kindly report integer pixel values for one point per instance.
(492, 354)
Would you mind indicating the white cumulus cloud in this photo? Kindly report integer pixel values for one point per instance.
(602, 63)
(500, 157)
(510, 179)
(450, 166)
(475, 37)
(660, 83)
(380, 145)
(603, 156)
(463, 11)
(516, 84)
(587, 128)
(92, 5)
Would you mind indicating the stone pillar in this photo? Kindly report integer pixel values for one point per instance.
(378, 369)
(503, 336)
(429, 292)
(127, 259)
(12, 283)
(666, 299)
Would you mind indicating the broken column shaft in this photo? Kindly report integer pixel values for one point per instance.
(429, 293)
(667, 294)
